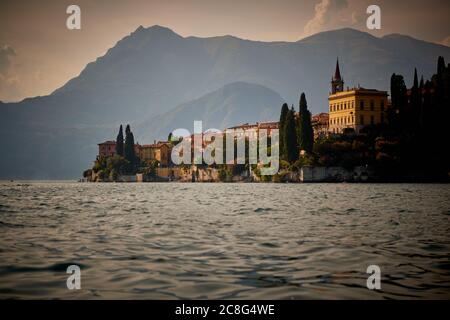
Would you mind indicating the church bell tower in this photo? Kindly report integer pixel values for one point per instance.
(337, 83)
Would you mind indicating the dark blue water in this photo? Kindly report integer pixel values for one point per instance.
(231, 241)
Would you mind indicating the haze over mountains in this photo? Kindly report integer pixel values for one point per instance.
(156, 79)
(234, 103)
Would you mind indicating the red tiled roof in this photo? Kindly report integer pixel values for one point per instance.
(107, 142)
(154, 145)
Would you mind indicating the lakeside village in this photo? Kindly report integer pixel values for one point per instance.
(364, 137)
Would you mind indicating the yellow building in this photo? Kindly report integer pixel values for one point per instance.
(354, 108)
(158, 151)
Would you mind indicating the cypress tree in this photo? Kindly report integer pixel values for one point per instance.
(305, 130)
(421, 104)
(439, 83)
(397, 114)
(281, 126)
(119, 142)
(416, 98)
(416, 81)
(290, 137)
(440, 66)
(129, 145)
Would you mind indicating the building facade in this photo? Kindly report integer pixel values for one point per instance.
(159, 151)
(107, 149)
(354, 108)
(251, 131)
(319, 123)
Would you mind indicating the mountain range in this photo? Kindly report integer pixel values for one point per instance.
(157, 81)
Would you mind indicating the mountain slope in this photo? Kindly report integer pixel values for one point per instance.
(235, 103)
(153, 70)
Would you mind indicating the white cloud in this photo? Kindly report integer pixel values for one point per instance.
(10, 88)
(9, 83)
(357, 18)
(446, 41)
(5, 62)
(332, 14)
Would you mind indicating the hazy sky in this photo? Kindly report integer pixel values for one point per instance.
(39, 54)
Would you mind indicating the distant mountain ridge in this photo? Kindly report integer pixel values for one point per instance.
(234, 103)
(150, 72)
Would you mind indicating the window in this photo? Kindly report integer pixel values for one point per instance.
(361, 105)
(372, 105)
(361, 120)
(382, 105)
(345, 106)
(372, 119)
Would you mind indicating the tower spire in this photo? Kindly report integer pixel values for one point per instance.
(337, 83)
(337, 72)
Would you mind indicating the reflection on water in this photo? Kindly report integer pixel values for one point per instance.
(230, 241)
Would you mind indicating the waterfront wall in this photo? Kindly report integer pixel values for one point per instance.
(334, 174)
(194, 174)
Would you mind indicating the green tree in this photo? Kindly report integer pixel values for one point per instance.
(282, 124)
(305, 130)
(119, 142)
(118, 164)
(290, 137)
(129, 148)
(416, 101)
(397, 113)
(440, 66)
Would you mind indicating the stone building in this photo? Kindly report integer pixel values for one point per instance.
(159, 151)
(319, 123)
(354, 108)
(107, 149)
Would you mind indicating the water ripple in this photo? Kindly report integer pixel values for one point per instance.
(225, 241)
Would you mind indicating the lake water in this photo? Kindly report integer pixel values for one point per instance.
(231, 241)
